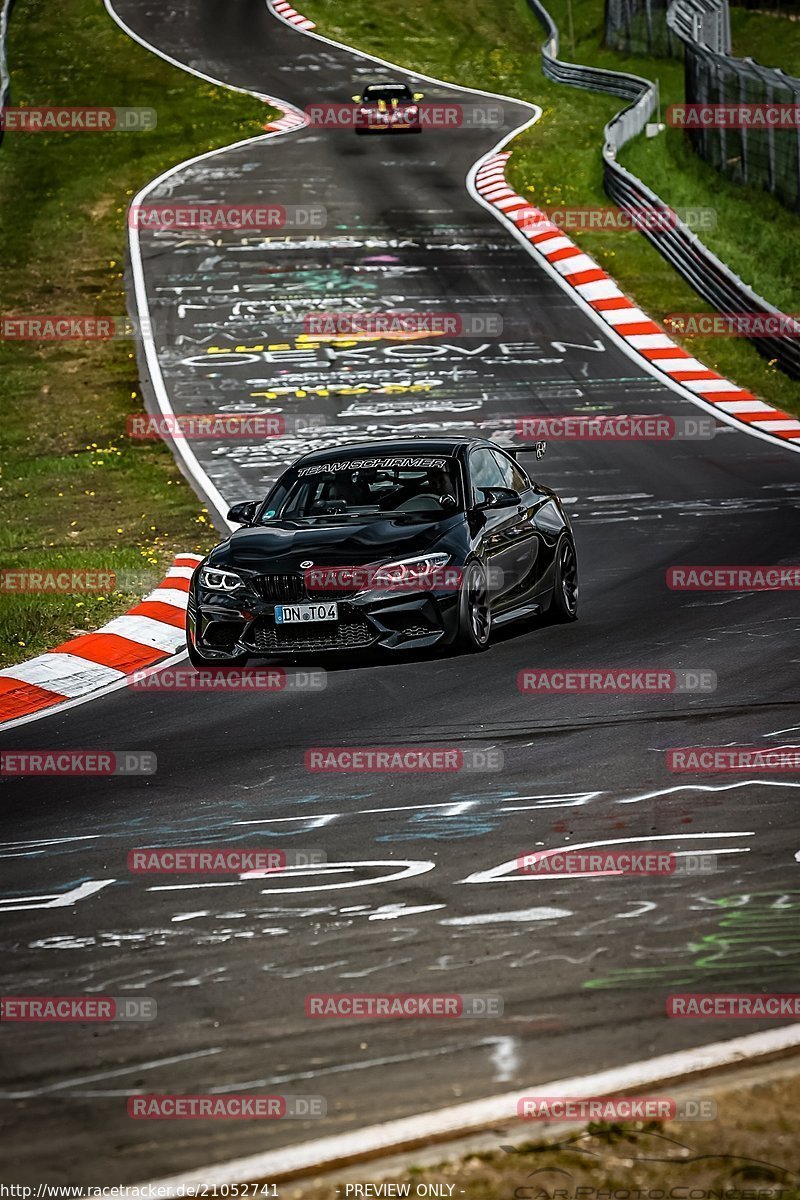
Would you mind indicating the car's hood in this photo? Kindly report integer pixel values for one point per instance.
(283, 545)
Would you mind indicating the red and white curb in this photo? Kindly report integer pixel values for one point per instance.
(151, 631)
(640, 332)
(287, 13)
(292, 119)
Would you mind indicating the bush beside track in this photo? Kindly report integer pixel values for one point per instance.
(494, 44)
(75, 492)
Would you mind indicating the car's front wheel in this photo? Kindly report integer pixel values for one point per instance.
(565, 581)
(474, 611)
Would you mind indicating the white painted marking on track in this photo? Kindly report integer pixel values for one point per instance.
(521, 915)
(557, 800)
(66, 1084)
(509, 871)
(55, 899)
(409, 868)
(708, 787)
(391, 912)
(504, 1058)
(41, 842)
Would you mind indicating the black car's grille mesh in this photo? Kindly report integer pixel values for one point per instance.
(288, 588)
(283, 588)
(351, 632)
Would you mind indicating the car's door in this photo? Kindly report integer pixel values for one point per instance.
(525, 560)
(503, 529)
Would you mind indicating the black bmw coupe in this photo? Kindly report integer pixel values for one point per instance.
(399, 544)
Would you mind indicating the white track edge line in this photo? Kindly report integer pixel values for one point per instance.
(180, 448)
(476, 1115)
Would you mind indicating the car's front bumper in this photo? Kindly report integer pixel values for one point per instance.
(389, 127)
(222, 626)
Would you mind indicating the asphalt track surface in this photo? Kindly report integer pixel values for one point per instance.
(583, 965)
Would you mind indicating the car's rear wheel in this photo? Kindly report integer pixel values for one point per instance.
(565, 582)
(474, 611)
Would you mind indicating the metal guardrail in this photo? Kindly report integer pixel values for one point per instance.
(5, 78)
(682, 248)
(702, 22)
(767, 157)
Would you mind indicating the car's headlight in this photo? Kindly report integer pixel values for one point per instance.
(408, 572)
(412, 112)
(217, 580)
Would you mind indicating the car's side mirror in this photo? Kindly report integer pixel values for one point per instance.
(356, 98)
(499, 497)
(419, 95)
(243, 514)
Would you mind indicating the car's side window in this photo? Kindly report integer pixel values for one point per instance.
(513, 475)
(484, 472)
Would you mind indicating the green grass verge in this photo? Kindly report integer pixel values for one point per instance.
(75, 492)
(772, 39)
(494, 44)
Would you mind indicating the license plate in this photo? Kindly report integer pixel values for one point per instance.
(294, 614)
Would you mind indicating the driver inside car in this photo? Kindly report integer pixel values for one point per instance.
(434, 486)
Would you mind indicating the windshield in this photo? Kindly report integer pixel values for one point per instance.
(387, 92)
(367, 488)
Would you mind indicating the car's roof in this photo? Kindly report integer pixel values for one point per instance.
(393, 446)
